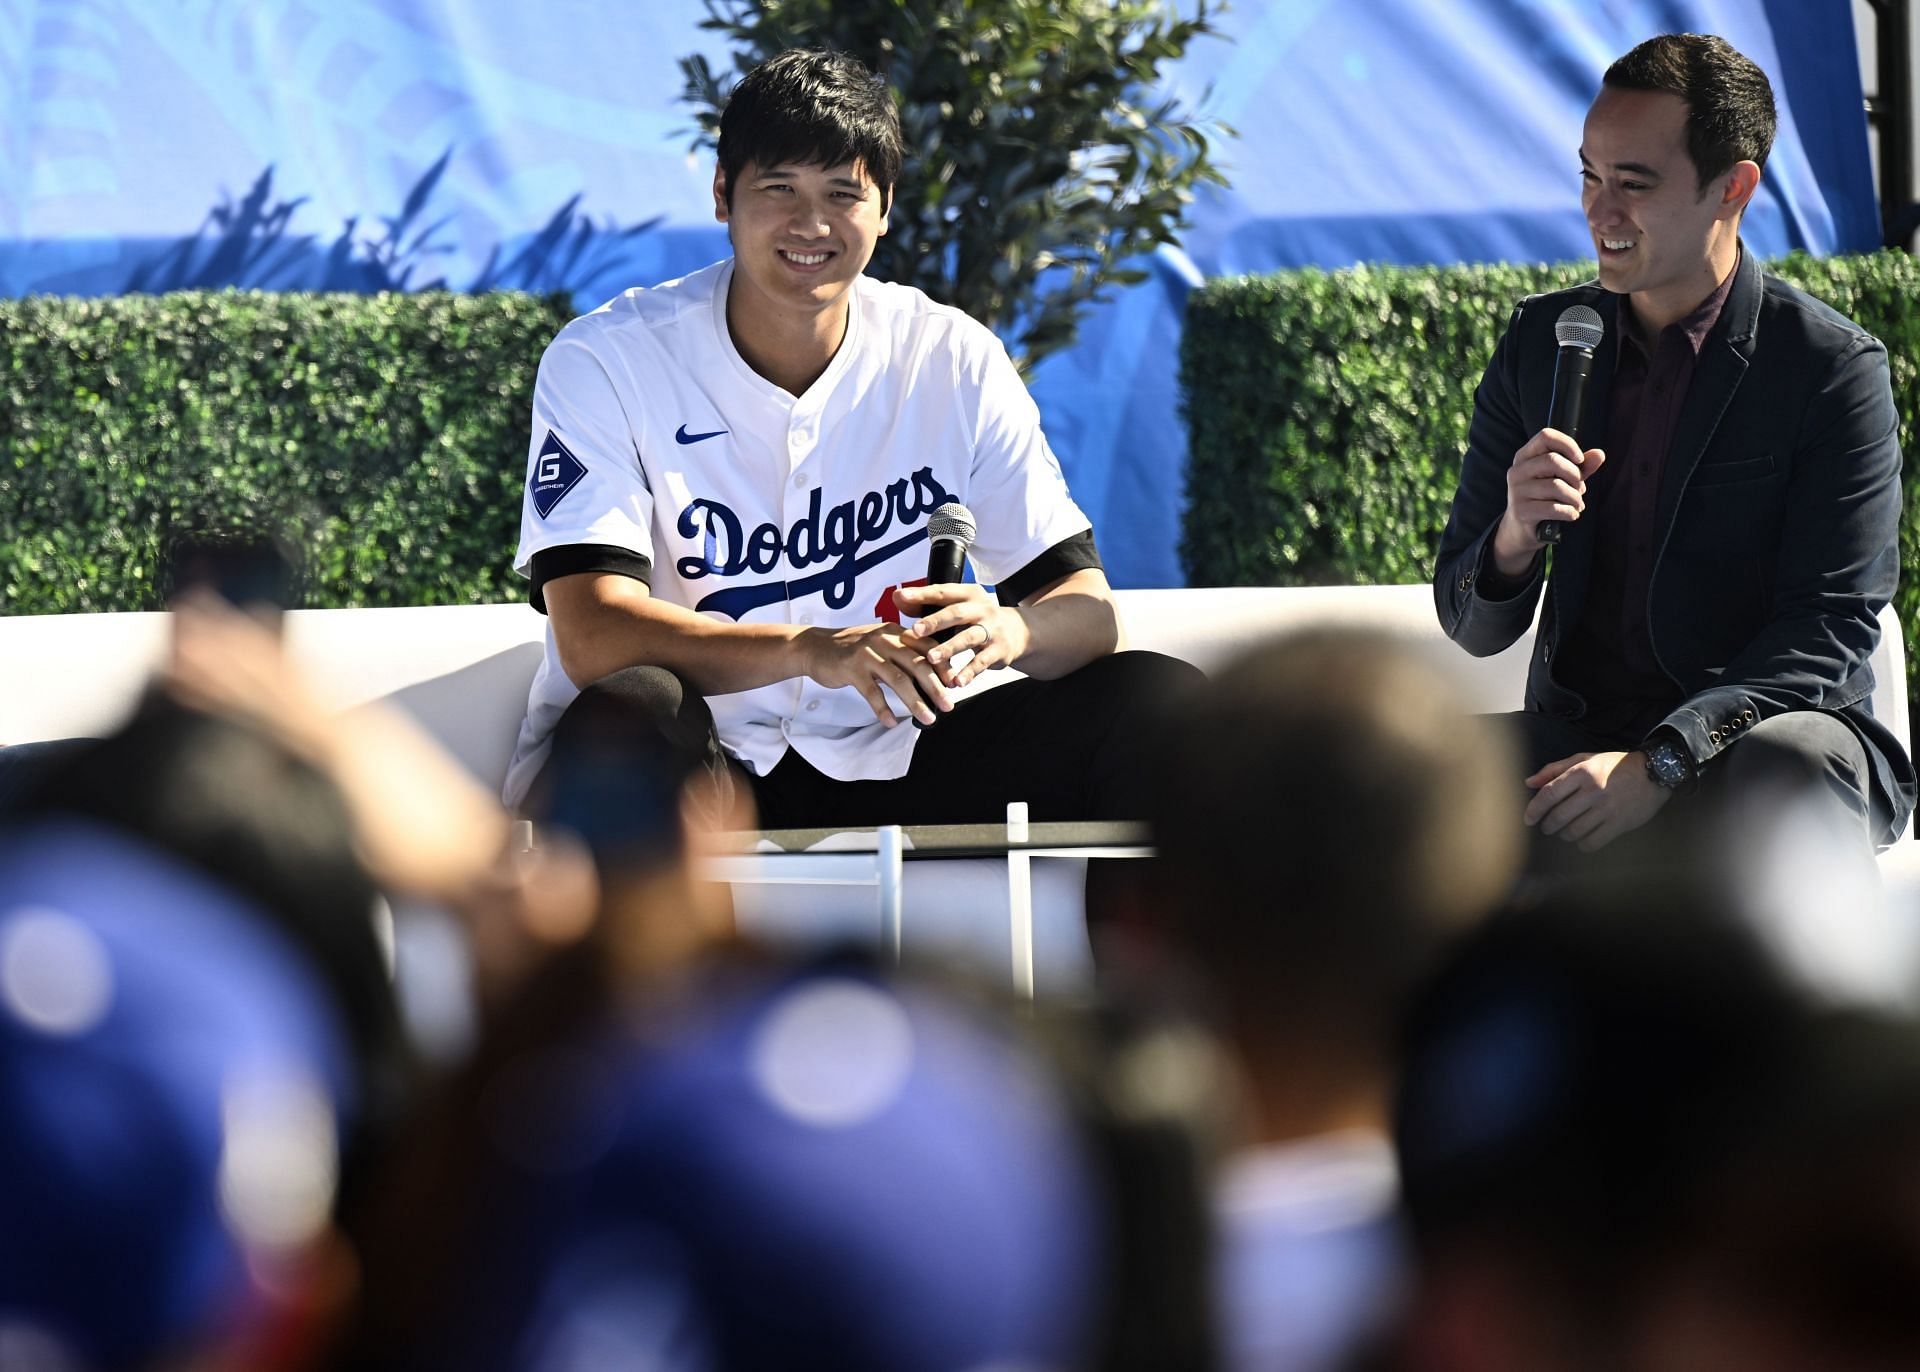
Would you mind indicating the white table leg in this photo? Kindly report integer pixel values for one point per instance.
(887, 876)
(1020, 900)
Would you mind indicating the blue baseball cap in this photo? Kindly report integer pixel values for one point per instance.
(170, 1085)
(817, 1169)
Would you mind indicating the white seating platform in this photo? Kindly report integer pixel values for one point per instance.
(463, 671)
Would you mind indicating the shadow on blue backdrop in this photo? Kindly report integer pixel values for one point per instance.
(250, 244)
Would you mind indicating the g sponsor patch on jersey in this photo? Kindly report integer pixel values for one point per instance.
(555, 472)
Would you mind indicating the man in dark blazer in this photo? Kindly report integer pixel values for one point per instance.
(1729, 521)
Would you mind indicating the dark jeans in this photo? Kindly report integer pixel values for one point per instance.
(1803, 756)
(1075, 748)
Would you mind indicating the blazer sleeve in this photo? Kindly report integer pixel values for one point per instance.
(1480, 610)
(1835, 566)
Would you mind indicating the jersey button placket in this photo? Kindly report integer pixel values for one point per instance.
(799, 449)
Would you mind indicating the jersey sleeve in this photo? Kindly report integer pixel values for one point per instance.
(1016, 489)
(585, 485)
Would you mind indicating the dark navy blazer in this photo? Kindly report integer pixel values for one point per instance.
(1776, 530)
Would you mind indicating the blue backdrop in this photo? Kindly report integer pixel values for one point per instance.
(369, 144)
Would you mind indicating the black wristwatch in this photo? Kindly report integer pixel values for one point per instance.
(1670, 765)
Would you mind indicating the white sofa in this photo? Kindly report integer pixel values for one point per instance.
(463, 671)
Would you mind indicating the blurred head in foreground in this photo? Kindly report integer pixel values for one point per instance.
(674, 1151)
(234, 804)
(643, 802)
(824, 1169)
(171, 1076)
(811, 1167)
(1328, 815)
(1636, 1133)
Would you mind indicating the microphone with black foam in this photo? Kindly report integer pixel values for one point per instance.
(1578, 332)
(950, 531)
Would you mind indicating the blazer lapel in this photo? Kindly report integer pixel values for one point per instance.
(1723, 363)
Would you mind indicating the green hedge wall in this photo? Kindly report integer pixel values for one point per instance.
(386, 435)
(1327, 411)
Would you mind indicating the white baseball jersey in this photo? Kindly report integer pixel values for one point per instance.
(652, 435)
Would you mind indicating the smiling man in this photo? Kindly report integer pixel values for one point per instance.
(726, 518)
(1731, 515)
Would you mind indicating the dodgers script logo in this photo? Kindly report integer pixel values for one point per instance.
(843, 538)
(555, 472)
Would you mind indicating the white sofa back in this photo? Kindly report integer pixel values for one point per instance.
(463, 671)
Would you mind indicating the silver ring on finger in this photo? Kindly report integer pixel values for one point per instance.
(986, 635)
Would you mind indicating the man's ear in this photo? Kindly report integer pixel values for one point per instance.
(1737, 187)
(886, 209)
(719, 193)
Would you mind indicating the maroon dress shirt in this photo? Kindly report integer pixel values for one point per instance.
(1608, 658)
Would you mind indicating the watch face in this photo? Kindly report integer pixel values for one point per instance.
(1668, 767)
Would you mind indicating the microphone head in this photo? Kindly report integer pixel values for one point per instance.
(952, 521)
(1579, 326)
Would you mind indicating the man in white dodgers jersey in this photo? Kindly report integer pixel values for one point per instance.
(728, 489)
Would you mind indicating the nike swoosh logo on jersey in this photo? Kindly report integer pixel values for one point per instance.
(682, 436)
(738, 601)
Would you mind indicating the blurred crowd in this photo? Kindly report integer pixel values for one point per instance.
(1348, 1091)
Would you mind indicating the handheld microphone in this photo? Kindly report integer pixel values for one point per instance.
(950, 531)
(1578, 332)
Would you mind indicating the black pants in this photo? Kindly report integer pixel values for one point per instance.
(1804, 756)
(1075, 748)
(23, 765)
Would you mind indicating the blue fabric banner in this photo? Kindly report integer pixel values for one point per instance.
(398, 144)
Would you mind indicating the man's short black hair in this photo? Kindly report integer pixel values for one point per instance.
(1730, 110)
(815, 108)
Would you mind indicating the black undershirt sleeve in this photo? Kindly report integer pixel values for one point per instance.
(1074, 554)
(550, 564)
(1063, 558)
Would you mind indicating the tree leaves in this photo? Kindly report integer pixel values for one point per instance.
(1038, 158)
